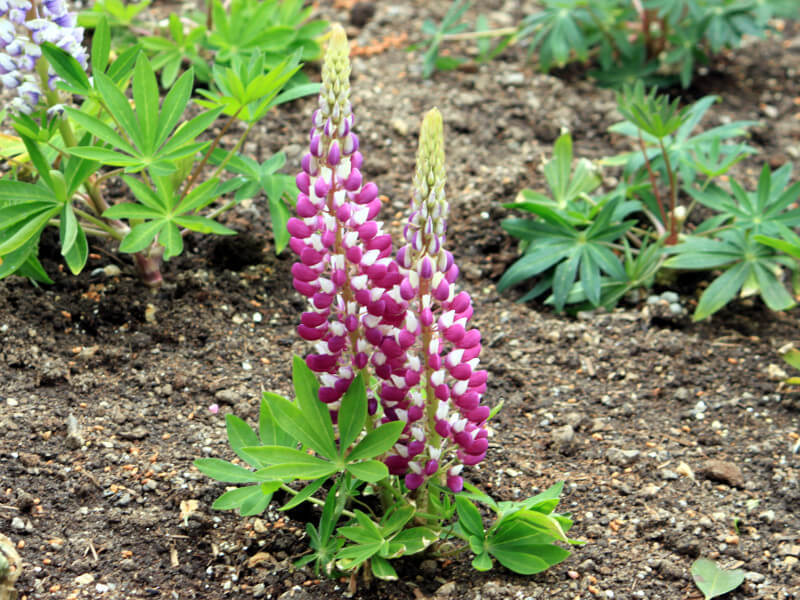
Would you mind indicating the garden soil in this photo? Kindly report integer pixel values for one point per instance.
(675, 440)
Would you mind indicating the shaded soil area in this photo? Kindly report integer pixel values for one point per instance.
(676, 440)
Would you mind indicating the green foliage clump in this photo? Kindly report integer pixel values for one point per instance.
(592, 249)
(660, 42)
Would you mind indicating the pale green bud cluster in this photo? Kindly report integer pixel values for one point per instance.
(429, 204)
(335, 95)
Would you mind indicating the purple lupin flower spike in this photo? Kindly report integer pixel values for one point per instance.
(437, 388)
(400, 318)
(344, 254)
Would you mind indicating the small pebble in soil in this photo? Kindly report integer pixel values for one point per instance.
(724, 472)
(74, 438)
(622, 458)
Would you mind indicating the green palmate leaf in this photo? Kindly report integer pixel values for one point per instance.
(256, 505)
(78, 253)
(174, 104)
(288, 463)
(18, 192)
(382, 569)
(170, 237)
(468, 517)
(66, 67)
(721, 291)
(250, 500)
(269, 430)
(524, 548)
(140, 236)
(371, 471)
(714, 581)
(228, 472)
(145, 95)
(792, 357)
(352, 556)
(352, 413)
(304, 494)
(377, 442)
(23, 232)
(482, 562)
(416, 539)
(101, 45)
(203, 225)
(68, 229)
(234, 498)
(240, 434)
(315, 413)
(128, 210)
(119, 107)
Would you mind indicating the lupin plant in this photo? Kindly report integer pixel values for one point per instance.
(387, 408)
(65, 153)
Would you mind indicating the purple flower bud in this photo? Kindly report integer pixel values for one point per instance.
(414, 480)
(353, 181)
(303, 181)
(396, 464)
(337, 343)
(297, 228)
(359, 362)
(442, 292)
(452, 274)
(304, 272)
(461, 372)
(321, 187)
(368, 230)
(478, 378)
(315, 147)
(426, 268)
(367, 194)
(313, 319)
(431, 467)
(442, 392)
(412, 378)
(305, 288)
(321, 363)
(310, 257)
(350, 144)
(322, 300)
(471, 338)
(334, 155)
(454, 333)
(356, 160)
(443, 428)
(328, 395)
(309, 333)
(426, 317)
(461, 302)
(455, 483)
(471, 459)
(415, 448)
(468, 401)
(354, 254)
(374, 336)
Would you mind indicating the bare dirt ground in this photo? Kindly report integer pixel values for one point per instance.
(675, 440)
